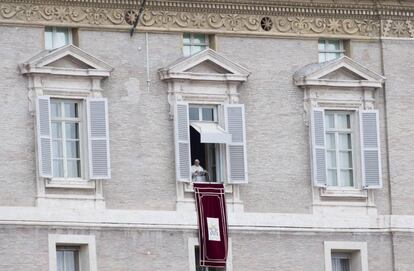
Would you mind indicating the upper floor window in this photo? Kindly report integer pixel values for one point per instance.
(338, 134)
(66, 123)
(203, 113)
(194, 43)
(56, 37)
(330, 49)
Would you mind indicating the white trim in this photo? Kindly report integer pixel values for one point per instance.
(359, 252)
(193, 242)
(87, 254)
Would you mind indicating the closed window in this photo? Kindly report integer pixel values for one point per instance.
(341, 262)
(56, 37)
(338, 134)
(73, 138)
(330, 49)
(203, 268)
(66, 121)
(194, 43)
(67, 258)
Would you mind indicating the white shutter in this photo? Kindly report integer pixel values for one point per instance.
(318, 147)
(44, 138)
(182, 142)
(98, 138)
(370, 149)
(236, 150)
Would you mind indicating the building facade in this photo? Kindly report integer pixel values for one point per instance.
(303, 109)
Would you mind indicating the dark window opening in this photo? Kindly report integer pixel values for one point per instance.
(202, 268)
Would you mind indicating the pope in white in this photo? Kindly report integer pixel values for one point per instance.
(197, 172)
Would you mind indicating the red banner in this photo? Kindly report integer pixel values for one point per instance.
(212, 224)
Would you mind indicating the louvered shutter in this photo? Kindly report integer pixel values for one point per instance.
(370, 149)
(182, 142)
(44, 138)
(318, 147)
(236, 150)
(98, 138)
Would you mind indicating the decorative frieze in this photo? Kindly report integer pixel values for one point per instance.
(273, 19)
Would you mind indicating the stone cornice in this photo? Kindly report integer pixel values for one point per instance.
(353, 19)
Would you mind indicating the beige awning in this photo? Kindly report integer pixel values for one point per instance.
(211, 132)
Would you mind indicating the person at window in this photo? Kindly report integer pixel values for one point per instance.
(198, 174)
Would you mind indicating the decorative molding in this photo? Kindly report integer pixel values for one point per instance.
(349, 19)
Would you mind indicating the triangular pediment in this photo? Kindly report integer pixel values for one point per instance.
(205, 65)
(342, 72)
(66, 60)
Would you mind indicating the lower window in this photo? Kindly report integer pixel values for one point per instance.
(202, 268)
(341, 261)
(346, 256)
(67, 258)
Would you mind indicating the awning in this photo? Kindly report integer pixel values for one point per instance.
(211, 132)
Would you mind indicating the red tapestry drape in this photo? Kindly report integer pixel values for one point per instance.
(212, 224)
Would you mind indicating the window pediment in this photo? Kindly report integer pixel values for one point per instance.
(67, 60)
(205, 65)
(342, 72)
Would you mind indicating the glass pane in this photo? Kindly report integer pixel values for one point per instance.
(186, 38)
(60, 261)
(346, 178)
(72, 130)
(208, 114)
(330, 141)
(71, 110)
(72, 149)
(48, 38)
(329, 121)
(333, 45)
(57, 149)
(186, 50)
(330, 56)
(331, 159)
(332, 180)
(344, 265)
(55, 109)
(61, 37)
(322, 57)
(194, 115)
(345, 142)
(69, 260)
(321, 45)
(345, 158)
(196, 49)
(336, 264)
(73, 168)
(343, 121)
(56, 130)
(199, 39)
(58, 168)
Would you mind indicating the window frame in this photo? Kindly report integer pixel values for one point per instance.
(76, 251)
(87, 250)
(54, 33)
(193, 242)
(358, 252)
(81, 120)
(354, 131)
(191, 44)
(200, 108)
(325, 51)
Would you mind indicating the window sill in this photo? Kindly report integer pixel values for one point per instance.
(350, 193)
(70, 183)
(188, 187)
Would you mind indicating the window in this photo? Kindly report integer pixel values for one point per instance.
(213, 134)
(341, 261)
(194, 43)
(61, 136)
(330, 49)
(66, 129)
(338, 134)
(346, 256)
(67, 258)
(56, 37)
(72, 252)
(202, 268)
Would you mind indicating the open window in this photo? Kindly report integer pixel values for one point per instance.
(216, 139)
